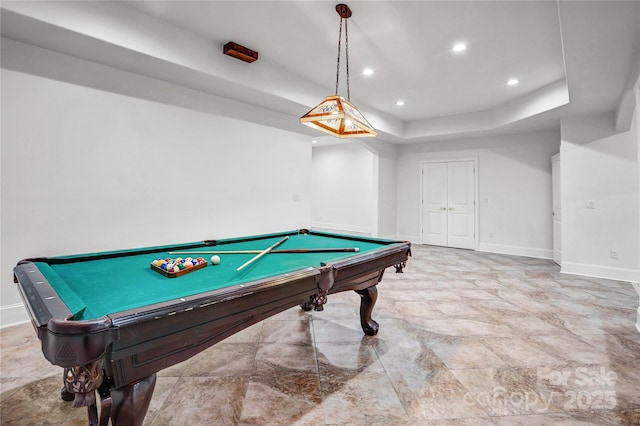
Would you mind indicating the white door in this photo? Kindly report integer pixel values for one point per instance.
(557, 209)
(448, 206)
(461, 206)
(434, 204)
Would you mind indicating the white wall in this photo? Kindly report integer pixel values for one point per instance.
(87, 170)
(342, 184)
(603, 168)
(514, 189)
(387, 197)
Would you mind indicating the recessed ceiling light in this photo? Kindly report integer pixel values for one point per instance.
(399, 103)
(367, 71)
(459, 47)
(314, 141)
(513, 82)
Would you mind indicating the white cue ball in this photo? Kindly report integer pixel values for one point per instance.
(215, 260)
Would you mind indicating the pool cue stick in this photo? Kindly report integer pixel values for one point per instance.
(262, 253)
(318, 250)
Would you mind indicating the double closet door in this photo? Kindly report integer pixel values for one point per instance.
(448, 204)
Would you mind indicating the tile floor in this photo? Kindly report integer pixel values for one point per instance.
(465, 338)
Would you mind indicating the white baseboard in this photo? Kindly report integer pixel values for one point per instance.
(13, 315)
(516, 250)
(600, 271)
(496, 248)
(413, 239)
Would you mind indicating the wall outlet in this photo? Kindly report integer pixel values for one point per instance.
(589, 204)
(614, 254)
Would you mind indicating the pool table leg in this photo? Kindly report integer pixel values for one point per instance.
(317, 302)
(368, 297)
(125, 406)
(130, 403)
(399, 267)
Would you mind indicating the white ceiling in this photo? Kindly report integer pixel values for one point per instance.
(408, 44)
(571, 57)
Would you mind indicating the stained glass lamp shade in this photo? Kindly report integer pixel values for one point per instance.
(338, 117)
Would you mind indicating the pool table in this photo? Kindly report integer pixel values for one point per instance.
(112, 320)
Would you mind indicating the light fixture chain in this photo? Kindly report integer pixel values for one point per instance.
(346, 49)
(338, 66)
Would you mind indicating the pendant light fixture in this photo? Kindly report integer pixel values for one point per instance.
(337, 115)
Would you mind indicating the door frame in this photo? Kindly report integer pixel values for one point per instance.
(556, 207)
(476, 239)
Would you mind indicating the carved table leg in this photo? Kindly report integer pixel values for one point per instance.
(368, 298)
(105, 403)
(92, 411)
(125, 406)
(130, 403)
(82, 382)
(399, 267)
(316, 302)
(65, 394)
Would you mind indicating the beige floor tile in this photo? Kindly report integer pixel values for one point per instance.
(202, 401)
(361, 398)
(283, 399)
(276, 358)
(434, 394)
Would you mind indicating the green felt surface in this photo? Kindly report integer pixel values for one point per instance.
(93, 288)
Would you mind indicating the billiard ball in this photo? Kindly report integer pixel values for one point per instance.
(215, 260)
